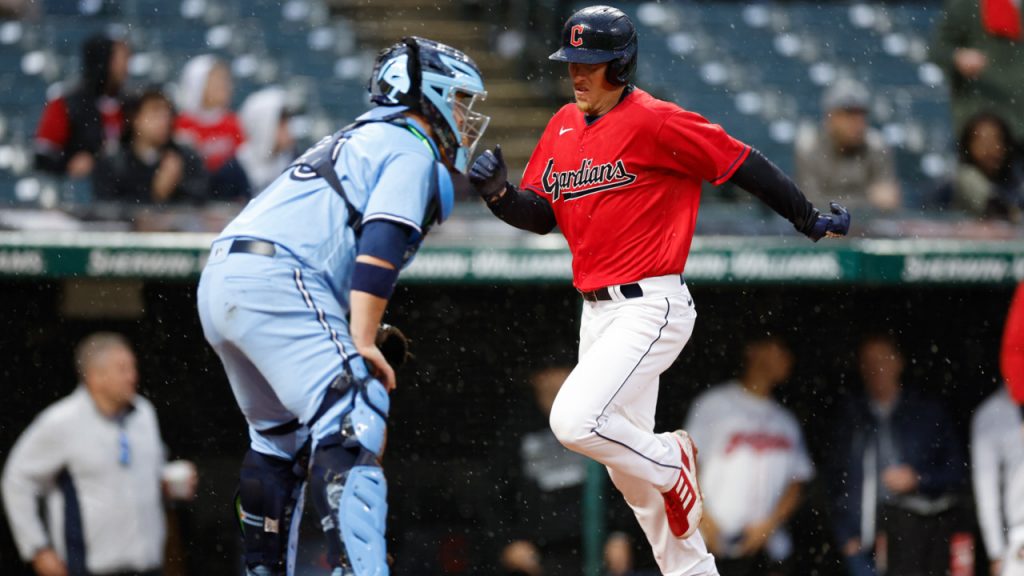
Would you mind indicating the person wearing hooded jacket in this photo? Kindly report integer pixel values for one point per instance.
(78, 126)
(268, 150)
(205, 120)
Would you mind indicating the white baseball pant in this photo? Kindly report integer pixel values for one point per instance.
(605, 409)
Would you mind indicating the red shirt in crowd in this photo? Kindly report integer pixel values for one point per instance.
(1012, 357)
(625, 188)
(54, 130)
(215, 140)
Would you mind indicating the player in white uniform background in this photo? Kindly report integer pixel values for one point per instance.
(997, 453)
(753, 464)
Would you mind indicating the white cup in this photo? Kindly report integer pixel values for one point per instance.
(180, 477)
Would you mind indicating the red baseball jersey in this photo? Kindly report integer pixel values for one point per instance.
(216, 141)
(1012, 357)
(625, 188)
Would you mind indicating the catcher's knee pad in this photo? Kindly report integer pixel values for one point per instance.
(268, 492)
(347, 485)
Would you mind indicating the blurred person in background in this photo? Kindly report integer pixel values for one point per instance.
(545, 483)
(77, 127)
(979, 44)
(989, 180)
(753, 463)
(267, 151)
(205, 121)
(896, 474)
(1012, 365)
(997, 452)
(618, 556)
(97, 458)
(150, 168)
(844, 158)
(521, 558)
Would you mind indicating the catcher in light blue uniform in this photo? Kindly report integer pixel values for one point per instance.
(296, 286)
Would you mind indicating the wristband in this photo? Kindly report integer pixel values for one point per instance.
(375, 280)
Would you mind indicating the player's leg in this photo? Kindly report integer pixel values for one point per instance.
(631, 343)
(290, 327)
(675, 556)
(269, 498)
(1013, 565)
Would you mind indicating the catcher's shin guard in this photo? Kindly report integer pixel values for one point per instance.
(269, 507)
(347, 485)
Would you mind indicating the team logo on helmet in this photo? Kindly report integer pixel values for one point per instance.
(586, 180)
(395, 73)
(576, 37)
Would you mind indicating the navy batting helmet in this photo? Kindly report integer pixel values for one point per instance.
(600, 34)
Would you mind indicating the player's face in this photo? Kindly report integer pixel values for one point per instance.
(113, 376)
(594, 94)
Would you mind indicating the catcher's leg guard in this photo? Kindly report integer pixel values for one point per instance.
(268, 492)
(347, 485)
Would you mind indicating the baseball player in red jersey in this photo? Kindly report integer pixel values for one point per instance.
(620, 173)
(1012, 365)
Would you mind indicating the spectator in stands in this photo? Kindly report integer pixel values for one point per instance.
(268, 150)
(989, 180)
(77, 127)
(150, 167)
(997, 452)
(545, 484)
(980, 43)
(844, 159)
(97, 458)
(205, 121)
(753, 464)
(897, 470)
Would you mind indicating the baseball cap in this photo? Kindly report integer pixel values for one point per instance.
(846, 94)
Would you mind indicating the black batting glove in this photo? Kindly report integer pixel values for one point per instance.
(831, 225)
(489, 173)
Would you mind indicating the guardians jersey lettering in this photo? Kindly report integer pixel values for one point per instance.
(629, 184)
(588, 179)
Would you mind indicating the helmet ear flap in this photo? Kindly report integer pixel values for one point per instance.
(621, 69)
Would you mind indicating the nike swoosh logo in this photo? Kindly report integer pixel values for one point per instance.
(563, 130)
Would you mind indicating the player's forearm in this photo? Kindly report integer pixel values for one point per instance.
(19, 495)
(367, 312)
(764, 180)
(788, 504)
(523, 209)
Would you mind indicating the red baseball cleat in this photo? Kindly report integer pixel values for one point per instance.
(684, 504)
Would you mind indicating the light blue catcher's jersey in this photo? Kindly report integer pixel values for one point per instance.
(388, 171)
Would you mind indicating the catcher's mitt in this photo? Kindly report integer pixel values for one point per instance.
(394, 345)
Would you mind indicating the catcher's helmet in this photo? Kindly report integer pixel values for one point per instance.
(441, 83)
(600, 34)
